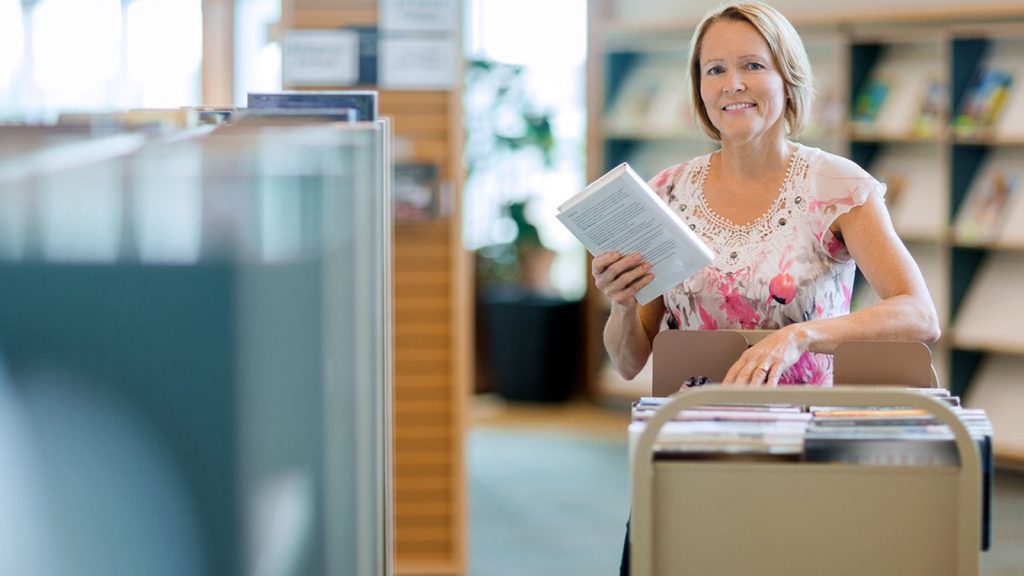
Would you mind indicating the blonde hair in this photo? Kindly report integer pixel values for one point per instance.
(787, 50)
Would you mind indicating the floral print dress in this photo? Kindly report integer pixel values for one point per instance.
(783, 267)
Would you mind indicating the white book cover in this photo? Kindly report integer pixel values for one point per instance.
(619, 212)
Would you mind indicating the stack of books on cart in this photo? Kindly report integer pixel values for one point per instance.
(880, 436)
(891, 436)
(728, 432)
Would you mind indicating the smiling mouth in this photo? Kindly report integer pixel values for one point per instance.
(739, 106)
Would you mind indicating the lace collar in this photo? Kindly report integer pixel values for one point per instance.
(721, 221)
(738, 246)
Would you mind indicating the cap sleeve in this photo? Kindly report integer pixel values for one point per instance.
(837, 186)
(664, 182)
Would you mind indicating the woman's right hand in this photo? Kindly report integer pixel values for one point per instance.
(621, 277)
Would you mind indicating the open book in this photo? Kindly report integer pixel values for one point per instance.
(619, 212)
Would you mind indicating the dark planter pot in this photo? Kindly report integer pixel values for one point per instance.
(535, 345)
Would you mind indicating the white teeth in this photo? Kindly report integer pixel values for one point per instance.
(738, 106)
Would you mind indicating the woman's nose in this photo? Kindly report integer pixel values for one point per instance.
(733, 83)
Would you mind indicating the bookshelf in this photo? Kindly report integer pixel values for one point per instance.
(914, 100)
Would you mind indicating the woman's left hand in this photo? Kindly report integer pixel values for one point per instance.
(764, 363)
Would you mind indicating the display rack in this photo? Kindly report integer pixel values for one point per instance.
(933, 166)
(793, 518)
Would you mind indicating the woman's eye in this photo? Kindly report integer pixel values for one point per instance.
(755, 66)
(714, 70)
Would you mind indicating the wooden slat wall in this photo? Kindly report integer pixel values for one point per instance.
(218, 52)
(431, 308)
(429, 390)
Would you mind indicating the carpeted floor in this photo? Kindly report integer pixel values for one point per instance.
(544, 503)
(549, 494)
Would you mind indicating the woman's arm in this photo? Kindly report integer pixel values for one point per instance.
(629, 334)
(631, 328)
(905, 312)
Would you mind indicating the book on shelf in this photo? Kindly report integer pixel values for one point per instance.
(904, 97)
(981, 218)
(619, 212)
(652, 100)
(363, 102)
(983, 100)
(628, 111)
(932, 109)
(912, 182)
(1011, 233)
(1010, 126)
(869, 101)
(416, 192)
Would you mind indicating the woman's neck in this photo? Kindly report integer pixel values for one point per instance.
(754, 160)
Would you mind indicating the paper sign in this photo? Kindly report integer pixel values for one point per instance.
(418, 15)
(418, 63)
(320, 58)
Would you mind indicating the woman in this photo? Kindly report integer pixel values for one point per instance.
(787, 223)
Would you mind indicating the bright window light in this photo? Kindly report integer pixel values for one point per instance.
(257, 56)
(161, 77)
(547, 38)
(11, 40)
(77, 49)
(532, 32)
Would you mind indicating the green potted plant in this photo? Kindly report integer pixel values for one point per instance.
(528, 338)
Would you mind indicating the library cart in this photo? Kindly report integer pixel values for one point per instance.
(798, 518)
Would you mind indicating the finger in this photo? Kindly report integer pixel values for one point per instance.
(754, 374)
(625, 264)
(607, 270)
(730, 376)
(629, 291)
(739, 373)
(749, 373)
(601, 262)
(623, 281)
(734, 377)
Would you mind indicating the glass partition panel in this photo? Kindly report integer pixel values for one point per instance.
(195, 339)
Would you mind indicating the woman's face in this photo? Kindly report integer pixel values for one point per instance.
(742, 89)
